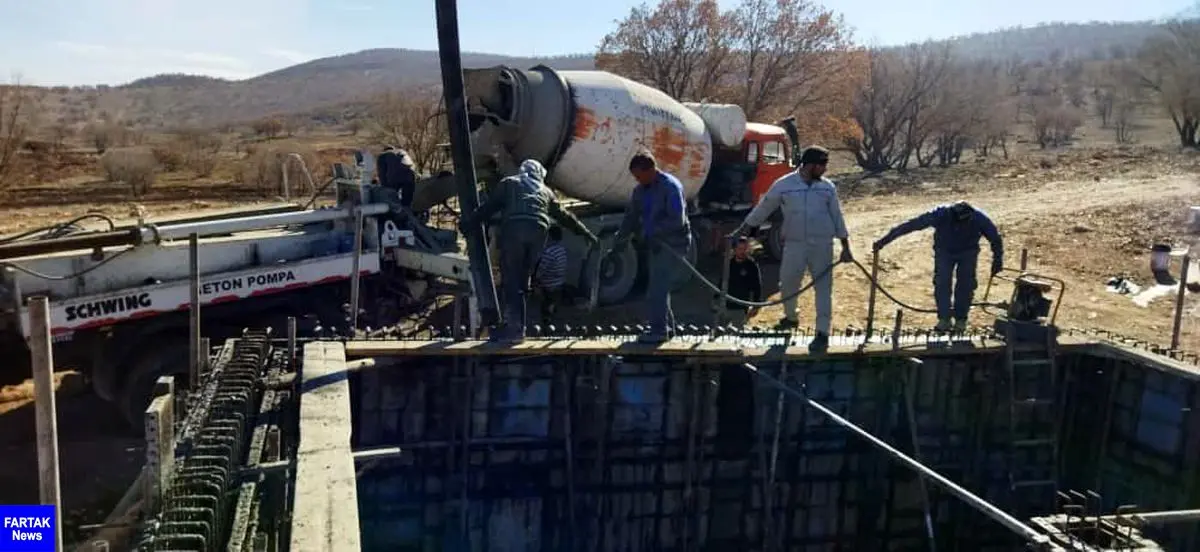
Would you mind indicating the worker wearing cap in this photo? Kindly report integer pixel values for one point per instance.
(812, 218)
(956, 232)
(657, 214)
(526, 207)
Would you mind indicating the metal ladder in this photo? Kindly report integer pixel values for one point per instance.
(1034, 422)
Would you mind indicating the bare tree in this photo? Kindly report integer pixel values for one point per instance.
(959, 113)
(268, 127)
(789, 54)
(134, 167)
(1054, 121)
(108, 133)
(682, 47)
(1123, 95)
(59, 133)
(891, 108)
(413, 120)
(1170, 69)
(19, 107)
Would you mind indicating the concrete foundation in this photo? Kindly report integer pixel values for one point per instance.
(563, 447)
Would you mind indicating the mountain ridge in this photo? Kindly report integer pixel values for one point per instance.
(327, 82)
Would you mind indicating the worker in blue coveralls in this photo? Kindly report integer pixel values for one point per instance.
(657, 214)
(956, 231)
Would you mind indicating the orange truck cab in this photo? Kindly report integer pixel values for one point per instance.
(741, 175)
(767, 148)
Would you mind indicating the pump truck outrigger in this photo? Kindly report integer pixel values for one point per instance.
(119, 297)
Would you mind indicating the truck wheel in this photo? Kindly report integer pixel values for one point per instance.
(618, 276)
(773, 245)
(169, 358)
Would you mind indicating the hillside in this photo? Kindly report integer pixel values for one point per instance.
(185, 99)
(172, 100)
(1097, 40)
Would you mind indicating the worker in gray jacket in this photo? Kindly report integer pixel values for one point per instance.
(526, 206)
(657, 215)
(812, 218)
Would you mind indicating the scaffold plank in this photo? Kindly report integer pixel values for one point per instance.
(326, 499)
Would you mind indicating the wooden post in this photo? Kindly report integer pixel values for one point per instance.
(194, 312)
(1183, 274)
(871, 296)
(42, 355)
(1024, 259)
(354, 278)
(896, 329)
(205, 351)
(160, 442)
(291, 341)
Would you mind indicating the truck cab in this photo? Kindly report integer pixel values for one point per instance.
(766, 148)
(741, 175)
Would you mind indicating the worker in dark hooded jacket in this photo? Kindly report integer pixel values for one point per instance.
(395, 169)
(526, 207)
(957, 229)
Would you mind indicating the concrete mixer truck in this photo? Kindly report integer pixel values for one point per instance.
(584, 126)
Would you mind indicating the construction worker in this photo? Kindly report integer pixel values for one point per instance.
(550, 274)
(526, 206)
(812, 218)
(657, 213)
(396, 172)
(745, 283)
(956, 231)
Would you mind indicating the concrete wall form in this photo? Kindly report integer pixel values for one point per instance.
(657, 454)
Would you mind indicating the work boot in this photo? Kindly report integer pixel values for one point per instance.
(819, 344)
(960, 326)
(943, 325)
(786, 323)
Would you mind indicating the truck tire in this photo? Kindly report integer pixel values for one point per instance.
(170, 357)
(618, 276)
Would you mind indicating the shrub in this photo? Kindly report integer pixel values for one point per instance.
(136, 168)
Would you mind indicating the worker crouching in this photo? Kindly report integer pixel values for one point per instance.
(526, 207)
(957, 229)
(812, 219)
(657, 213)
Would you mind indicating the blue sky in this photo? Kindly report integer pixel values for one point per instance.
(54, 42)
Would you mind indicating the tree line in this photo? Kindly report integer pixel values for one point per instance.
(894, 108)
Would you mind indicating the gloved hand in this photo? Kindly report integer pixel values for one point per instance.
(997, 266)
(879, 244)
(846, 256)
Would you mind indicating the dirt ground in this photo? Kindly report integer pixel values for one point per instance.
(1085, 215)
(1084, 220)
